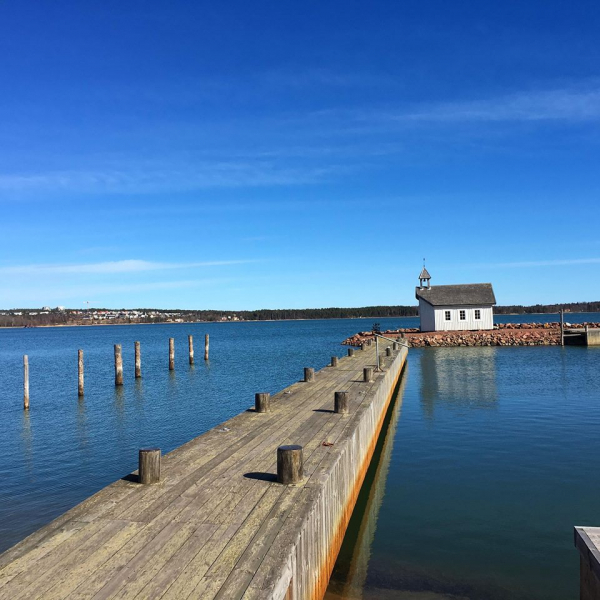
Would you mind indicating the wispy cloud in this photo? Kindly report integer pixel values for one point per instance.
(540, 263)
(112, 267)
(558, 104)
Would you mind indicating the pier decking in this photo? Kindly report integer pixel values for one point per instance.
(218, 525)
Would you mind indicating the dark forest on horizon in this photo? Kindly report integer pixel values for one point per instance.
(33, 317)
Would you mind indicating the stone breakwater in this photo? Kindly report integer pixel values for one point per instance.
(503, 334)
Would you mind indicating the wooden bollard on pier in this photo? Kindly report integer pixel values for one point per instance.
(149, 465)
(138, 360)
(262, 402)
(25, 382)
(396, 346)
(350, 351)
(388, 351)
(309, 374)
(290, 468)
(171, 354)
(368, 374)
(80, 373)
(206, 347)
(362, 346)
(334, 361)
(118, 365)
(191, 348)
(342, 403)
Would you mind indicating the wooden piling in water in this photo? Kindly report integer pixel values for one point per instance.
(206, 347)
(334, 361)
(341, 403)
(149, 465)
(171, 354)
(80, 373)
(309, 374)
(262, 402)
(25, 382)
(290, 468)
(191, 349)
(118, 365)
(138, 360)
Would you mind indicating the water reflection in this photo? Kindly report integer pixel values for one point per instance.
(350, 571)
(458, 378)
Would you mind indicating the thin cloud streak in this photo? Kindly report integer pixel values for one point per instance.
(538, 263)
(114, 267)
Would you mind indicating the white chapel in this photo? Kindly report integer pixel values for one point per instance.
(454, 307)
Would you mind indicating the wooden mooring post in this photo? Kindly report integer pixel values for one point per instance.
(171, 354)
(368, 374)
(262, 402)
(118, 365)
(350, 351)
(25, 382)
(80, 373)
(334, 361)
(191, 348)
(206, 347)
(290, 467)
(309, 374)
(341, 403)
(149, 465)
(138, 360)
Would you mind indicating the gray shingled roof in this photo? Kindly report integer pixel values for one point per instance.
(448, 295)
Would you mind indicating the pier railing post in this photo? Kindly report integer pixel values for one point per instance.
(138, 360)
(309, 374)
(80, 373)
(368, 374)
(206, 340)
(290, 468)
(149, 465)
(118, 365)
(171, 354)
(191, 348)
(262, 402)
(341, 403)
(334, 361)
(25, 382)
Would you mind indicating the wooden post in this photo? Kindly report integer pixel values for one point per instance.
(25, 382)
(309, 374)
(138, 360)
(171, 354)
(368, 374)
(191, 348)
(262, 402)
(388, 351)
(80, 373)
(377, 351)
(350, 351)
(118, 365)
(334, 361)
(362, 346)
(149, 465)
(396, 346)
(206, 347)
(342, 403)
(562, 327)
(289, 464)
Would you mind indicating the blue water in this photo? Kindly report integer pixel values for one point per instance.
(492, 459)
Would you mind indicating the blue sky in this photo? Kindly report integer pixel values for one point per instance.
(245, 155)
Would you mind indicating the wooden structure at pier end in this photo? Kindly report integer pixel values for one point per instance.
(465, 307)
(255, 508)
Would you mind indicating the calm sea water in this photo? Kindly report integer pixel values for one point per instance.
(487, 464)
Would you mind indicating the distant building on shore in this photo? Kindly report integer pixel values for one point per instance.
(454, 307)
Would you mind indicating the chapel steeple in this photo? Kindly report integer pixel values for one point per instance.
(424, 278)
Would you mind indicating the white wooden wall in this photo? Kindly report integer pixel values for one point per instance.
(455, 324)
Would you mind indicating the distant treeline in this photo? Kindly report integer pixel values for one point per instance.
(8, 318)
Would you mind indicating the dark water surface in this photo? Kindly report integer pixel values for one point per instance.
(488, 462)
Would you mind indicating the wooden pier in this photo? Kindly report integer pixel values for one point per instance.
(218, 524)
